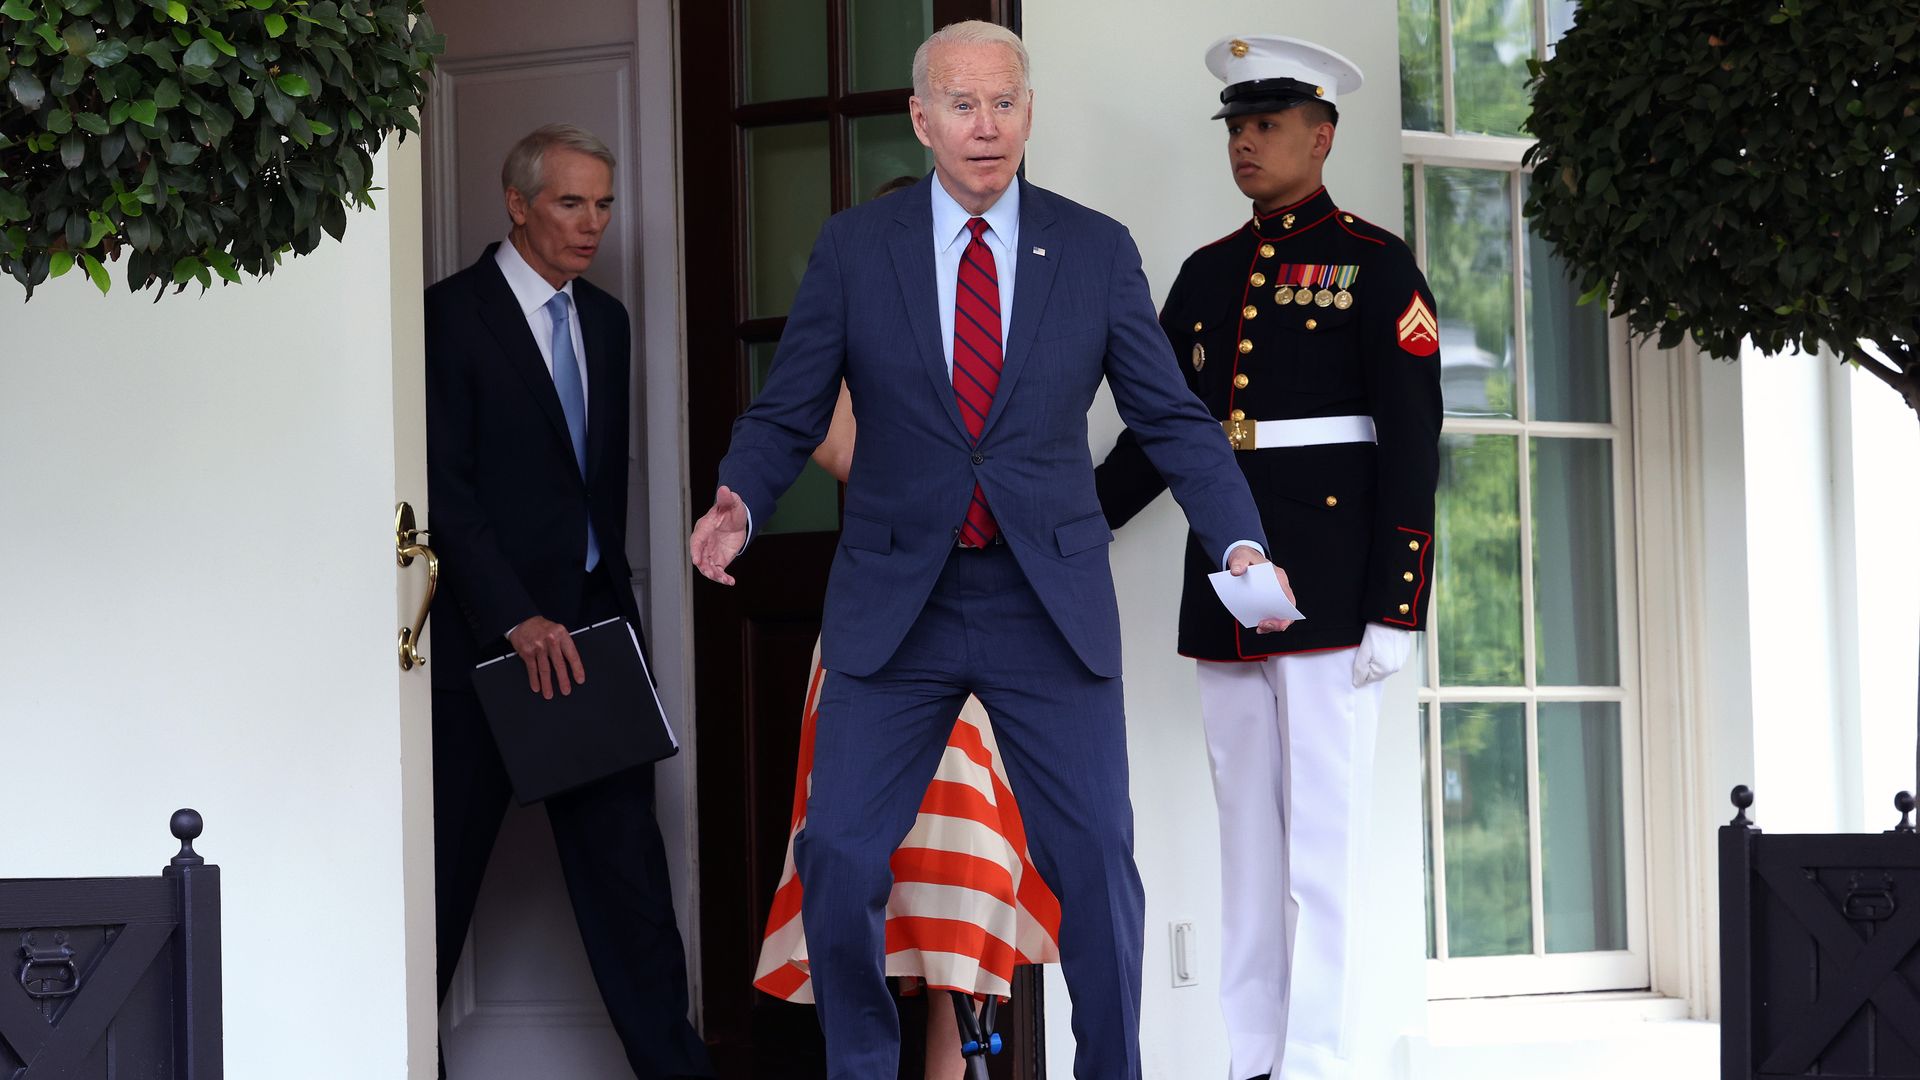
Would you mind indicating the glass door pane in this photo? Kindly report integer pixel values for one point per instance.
(1575, 611)
(789, 195)
(1478, 591)
(1582, 837)
(786, 49)
(1420, 105)
(1492, 42)
(1566, 342)
(884, 150)
(1483, 795)
(1470, 267)
(884, 35)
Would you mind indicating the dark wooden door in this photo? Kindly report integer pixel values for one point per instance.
(791, 110)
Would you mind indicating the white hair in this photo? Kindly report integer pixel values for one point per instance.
(525, 168)
(971, 32)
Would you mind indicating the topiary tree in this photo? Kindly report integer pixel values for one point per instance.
(1741, 172)
(1738, 172)
(193, 138)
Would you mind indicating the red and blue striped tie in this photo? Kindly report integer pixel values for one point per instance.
(976, 362)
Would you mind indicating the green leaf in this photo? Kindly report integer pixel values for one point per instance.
(242, 99)
(147, 113)
(61, 263)
(99, 226)
(26, 88)
(12, 206)
(98, 273)
(187, 268)
(91, 123)
(18, 9)
(276, 25)
(292, 85)
(319, 128)
(219, 40)
(73, 149)
(200, 54)
(176, 11)
(118, 112)
(108, 53)
(59, 121)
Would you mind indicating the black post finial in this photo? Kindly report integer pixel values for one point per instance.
(1742, 799)
(187, 825)
(1903, 802)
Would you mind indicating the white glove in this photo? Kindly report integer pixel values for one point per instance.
(1383, 651)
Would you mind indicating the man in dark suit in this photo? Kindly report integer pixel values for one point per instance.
(527, 413)
(973, 317)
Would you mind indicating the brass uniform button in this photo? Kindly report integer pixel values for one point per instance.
(1246, 346)
(1266, 251)
(1240, 381)
(1249, 311)
(1332, 502)
(1405, 608)
(1348, 218)
(1413, 545)
(1237, 415)
(1258, 279)
(1313, 324)
(1196, 328)
(1319, 91)
(1408, 576)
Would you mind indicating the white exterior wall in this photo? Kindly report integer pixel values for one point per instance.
(1121, 109)
(196, 508)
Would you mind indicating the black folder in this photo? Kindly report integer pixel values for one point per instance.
(611, 722)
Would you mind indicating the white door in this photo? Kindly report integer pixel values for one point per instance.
(523, 1001)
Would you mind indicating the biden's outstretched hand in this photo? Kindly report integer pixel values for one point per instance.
(719, 535)
(1244, 558)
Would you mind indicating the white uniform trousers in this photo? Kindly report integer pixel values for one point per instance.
(1291, 743)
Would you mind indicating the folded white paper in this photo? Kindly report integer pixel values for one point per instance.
(1254, 595)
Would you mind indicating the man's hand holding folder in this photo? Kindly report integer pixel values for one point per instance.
(549, 653)
(555, 743)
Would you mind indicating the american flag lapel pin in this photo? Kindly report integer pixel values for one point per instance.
(1042, 252)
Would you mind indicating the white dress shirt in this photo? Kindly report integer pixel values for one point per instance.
(533, 292)
(950, 240)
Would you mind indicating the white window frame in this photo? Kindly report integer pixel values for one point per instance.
(1540, 972)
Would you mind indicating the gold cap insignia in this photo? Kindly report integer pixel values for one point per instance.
(1319, 91)
(1239, 48)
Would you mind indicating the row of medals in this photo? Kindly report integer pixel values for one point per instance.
(1286, 294)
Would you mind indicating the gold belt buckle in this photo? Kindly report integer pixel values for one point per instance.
(1240, 433)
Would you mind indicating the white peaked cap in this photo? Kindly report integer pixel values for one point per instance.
(1267, 71)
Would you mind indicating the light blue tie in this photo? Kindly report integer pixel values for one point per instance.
(573, 401)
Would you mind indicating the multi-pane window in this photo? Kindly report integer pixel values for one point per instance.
(821, 115)
(1530, 726)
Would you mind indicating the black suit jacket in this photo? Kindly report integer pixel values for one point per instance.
(508, 508)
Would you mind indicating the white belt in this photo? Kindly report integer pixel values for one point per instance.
(1313, 431)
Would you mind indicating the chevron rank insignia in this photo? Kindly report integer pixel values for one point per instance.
(1419, 332)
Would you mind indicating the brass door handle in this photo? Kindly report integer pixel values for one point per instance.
(407, 547)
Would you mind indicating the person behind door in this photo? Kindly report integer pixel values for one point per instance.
(973, 318)
(1311, 336)
(527, 418)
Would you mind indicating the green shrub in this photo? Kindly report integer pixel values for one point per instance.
(194, 138)
(1731, 170)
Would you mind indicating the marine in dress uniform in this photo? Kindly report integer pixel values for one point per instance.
(1311, 336)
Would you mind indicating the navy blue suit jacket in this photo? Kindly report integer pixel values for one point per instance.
(867, 312)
